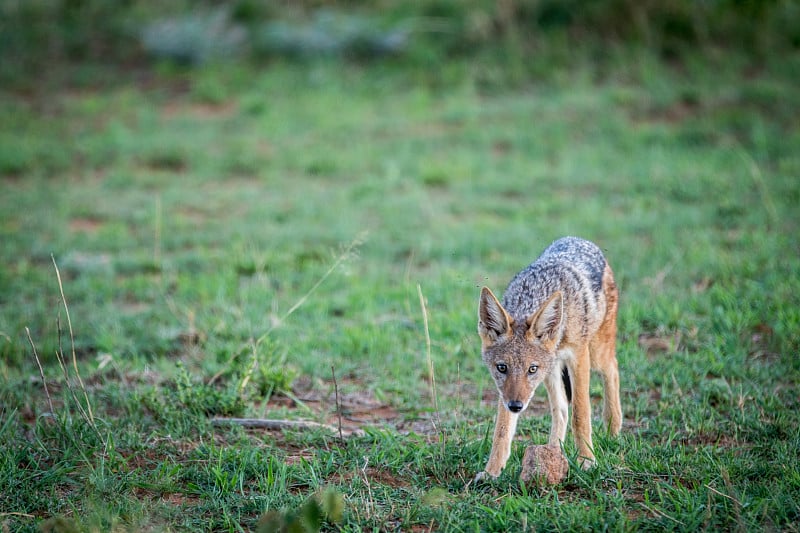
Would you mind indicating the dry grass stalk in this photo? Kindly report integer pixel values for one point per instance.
(429, 359)
(41, 371)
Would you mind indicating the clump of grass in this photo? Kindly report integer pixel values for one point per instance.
(197, 397)
(75, 385)
(274, 374)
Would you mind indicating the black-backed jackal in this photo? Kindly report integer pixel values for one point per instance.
(556, 323)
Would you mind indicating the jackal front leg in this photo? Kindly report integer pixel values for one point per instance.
(559, 407)
(582, 409)
(504, 429)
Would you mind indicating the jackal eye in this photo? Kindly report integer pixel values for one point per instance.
(502, 368)
(532, 369)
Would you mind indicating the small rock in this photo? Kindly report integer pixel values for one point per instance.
(544, 464)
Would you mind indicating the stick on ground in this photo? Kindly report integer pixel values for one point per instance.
(276, 424)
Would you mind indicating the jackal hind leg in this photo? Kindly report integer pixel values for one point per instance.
(612, 409)
(604, 360)
(582, 407)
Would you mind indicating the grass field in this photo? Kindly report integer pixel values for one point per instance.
(230, 239)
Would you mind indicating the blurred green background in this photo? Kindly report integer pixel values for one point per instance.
(526, 38)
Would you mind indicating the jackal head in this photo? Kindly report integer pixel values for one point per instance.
(519, 354)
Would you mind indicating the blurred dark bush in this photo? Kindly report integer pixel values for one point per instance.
(331, 33)
(42, 34)
(195, 37)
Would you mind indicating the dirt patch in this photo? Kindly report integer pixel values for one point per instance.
(192, 215)
(372, 475)
(199, 110)
(177, 498)
(715, 439)
(85, 224)
(294, 457)
(356, 409)
(658, 343)
(676, 112)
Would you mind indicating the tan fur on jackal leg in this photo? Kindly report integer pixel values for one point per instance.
(582, 408)
(604, 356)
(559, 407)
(504, 429)
(612, 410)
(604, 360)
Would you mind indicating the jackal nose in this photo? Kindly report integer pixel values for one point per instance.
(514, 406)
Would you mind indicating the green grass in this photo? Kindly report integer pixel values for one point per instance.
(188, 216)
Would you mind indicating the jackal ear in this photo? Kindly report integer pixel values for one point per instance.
(493, 321)
(546, 324)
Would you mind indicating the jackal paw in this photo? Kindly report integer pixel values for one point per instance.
(483, 477)
(587, 463)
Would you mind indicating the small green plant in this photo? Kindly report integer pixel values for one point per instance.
(274, 373)
(201, 398)
(324, 507)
